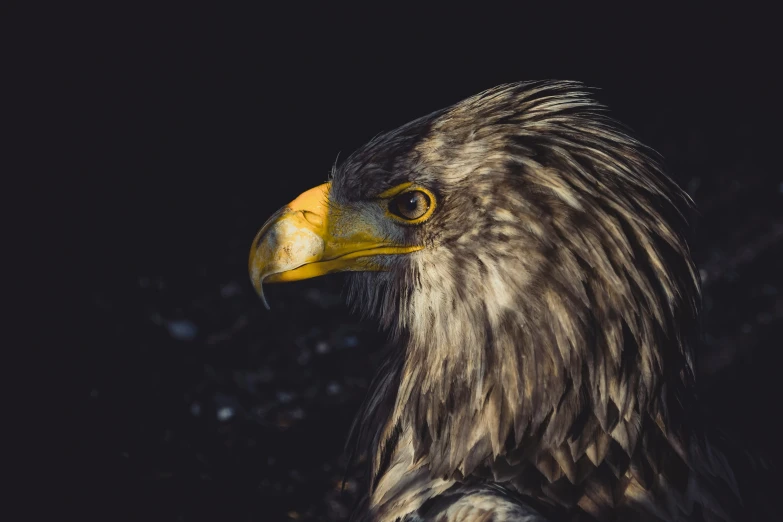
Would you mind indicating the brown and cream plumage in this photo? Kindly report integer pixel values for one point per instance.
(530, 260)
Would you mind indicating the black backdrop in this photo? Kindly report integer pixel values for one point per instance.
(179, 130)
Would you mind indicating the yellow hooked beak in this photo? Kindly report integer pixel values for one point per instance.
(309, 237)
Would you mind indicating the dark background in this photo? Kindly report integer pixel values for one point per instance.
(177, 131)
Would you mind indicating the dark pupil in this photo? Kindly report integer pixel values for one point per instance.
(410, 204)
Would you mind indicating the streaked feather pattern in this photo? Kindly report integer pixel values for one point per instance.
(545, 334)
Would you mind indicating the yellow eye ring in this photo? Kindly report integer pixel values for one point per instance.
(409, 204)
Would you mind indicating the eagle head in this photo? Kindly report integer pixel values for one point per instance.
(530, 258)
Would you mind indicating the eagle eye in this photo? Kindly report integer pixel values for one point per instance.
(411, 206)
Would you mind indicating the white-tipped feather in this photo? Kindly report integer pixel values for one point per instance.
(544, 331)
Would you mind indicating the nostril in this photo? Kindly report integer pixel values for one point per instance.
(313, 218)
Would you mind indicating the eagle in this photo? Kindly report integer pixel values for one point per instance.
(529, 259)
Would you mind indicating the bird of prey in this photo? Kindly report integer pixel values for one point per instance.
(530, 260)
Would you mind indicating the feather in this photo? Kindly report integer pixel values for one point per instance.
(544, 334)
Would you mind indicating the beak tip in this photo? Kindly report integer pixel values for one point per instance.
(258, 286)
(263, 300)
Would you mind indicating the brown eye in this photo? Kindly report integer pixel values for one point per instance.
(410, 205)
